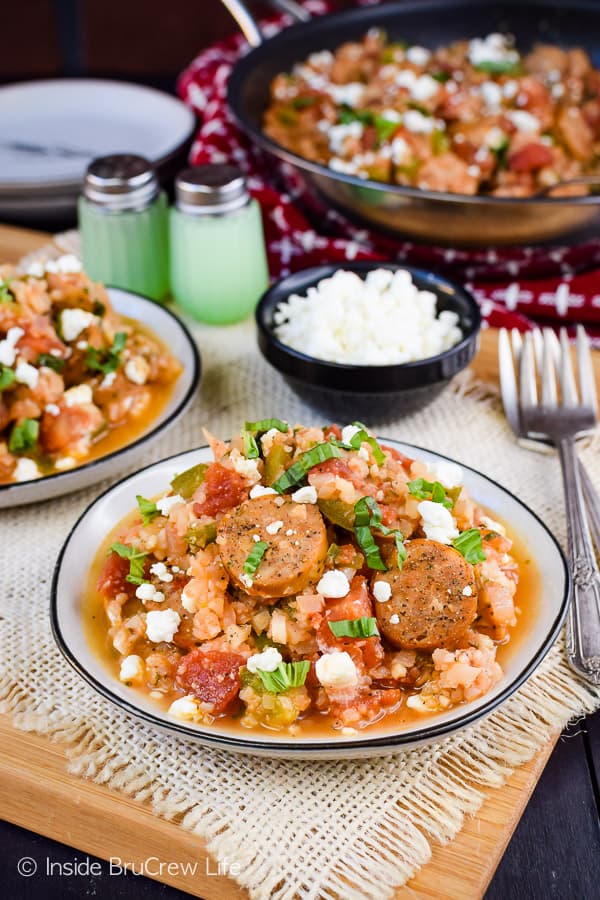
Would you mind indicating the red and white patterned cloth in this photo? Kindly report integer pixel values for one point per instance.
(515, 286)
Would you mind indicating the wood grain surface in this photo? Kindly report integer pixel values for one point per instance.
(38, 793)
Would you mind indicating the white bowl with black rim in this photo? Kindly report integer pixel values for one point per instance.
(176, 337)
(78, 553)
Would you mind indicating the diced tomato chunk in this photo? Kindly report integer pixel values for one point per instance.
(212, 676)
(399, 457)
(529, 158)
(223, 489)
(113, 577)
(337, 468)
(333, 430)
(355, 605)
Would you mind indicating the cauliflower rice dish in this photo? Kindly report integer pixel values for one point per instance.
(77, 380)
(306, 576)
(472, 117)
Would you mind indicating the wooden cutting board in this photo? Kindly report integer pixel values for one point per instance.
(37, 792)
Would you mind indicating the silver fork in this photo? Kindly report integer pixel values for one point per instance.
(561, 423)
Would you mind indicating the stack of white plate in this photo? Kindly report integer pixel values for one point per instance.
(52, 129)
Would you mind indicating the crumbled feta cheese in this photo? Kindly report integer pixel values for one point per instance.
(474, 171)
(65, 462)
(491, 49)
(132, 668)
(437, 522)
(267, 661)
(495, 138)
(467, 591)
(52, 409)
(491, 93)
(524, 121)
(256, 538)
(8, 352)
(307, 494)
(447, 473)
(394, 619)
(274, 527)
(400, 151)
(147, 591)
(424, 88)
(79, 395)
(382, 591)
(346, 94)
(336, 669)
(333, 584)
(510, 89)
(166, 504)
(74, 321)
(339, 134)
(82, 345)
(27, 374)
(259, 491)
(161, 625)
(26, 470)
(348, 432)
(186, 708)
(418, 56)
(247, 468)
(137, 370)
(36, 269)
(108, 380)
(64, 265)
(162, 573)
(246, 580)
(363, 453)
(341, 165)
(383, 319)
(417, 123)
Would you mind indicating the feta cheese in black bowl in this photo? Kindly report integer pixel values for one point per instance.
(368, 340)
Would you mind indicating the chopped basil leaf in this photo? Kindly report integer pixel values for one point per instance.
(385, 128)
(441, 76)
(364, 627)
(7, 377)
(51, 362)
(251, 450)
(303, 102)
(363, 437)
(367, 516)
(253, 560)
(266, 424)
(106, 361)
(285, 676)
(136, 561)
(298, 470)
(24, 436)
(499, 67)
(187, 482)
(147, 509)
(469, 544)
(432, 490)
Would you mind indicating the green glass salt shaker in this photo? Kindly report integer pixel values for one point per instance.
(124, 225)
(218, 260)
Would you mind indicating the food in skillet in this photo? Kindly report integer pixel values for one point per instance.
(474, 117)
(72, 371)
(307, 576)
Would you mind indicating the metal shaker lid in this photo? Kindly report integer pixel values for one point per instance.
(211, 189)
(120, 182)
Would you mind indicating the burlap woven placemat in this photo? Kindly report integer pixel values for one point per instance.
(307, 830)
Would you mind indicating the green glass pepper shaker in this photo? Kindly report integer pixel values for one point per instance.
(123, 221)
(217, 258)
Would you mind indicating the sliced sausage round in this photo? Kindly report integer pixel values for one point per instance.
(297, 545)
(433, 601)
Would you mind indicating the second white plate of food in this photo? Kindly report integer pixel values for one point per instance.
(47, 403)
(299, 633)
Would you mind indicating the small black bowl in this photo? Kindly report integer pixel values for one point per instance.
(347, 392)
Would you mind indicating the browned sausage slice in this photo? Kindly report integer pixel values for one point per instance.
(297, 545)
(434, 598)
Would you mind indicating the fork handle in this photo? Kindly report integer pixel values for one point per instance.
(583, 620)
